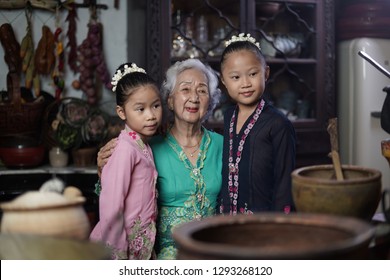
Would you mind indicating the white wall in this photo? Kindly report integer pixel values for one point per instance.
(115, 39)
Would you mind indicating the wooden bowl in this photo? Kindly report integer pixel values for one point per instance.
(14, 157)
(274, 236)
(316, 190)
(21, 151)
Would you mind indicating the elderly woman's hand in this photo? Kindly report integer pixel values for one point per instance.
(104, 154)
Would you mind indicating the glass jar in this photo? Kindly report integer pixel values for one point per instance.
(58, 157)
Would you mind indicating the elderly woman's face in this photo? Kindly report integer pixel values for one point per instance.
(190, 97)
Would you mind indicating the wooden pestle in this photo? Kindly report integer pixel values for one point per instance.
(333, 132)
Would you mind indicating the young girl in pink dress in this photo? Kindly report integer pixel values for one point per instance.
(127, 202)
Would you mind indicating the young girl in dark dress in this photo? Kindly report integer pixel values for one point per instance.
(259, 141)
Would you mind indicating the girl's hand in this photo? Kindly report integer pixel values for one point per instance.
(104, 154)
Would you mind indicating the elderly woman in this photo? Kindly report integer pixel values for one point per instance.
(187, 156)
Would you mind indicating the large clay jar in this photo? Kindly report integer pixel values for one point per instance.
(316, 190)
(47, 213)
(274, 236)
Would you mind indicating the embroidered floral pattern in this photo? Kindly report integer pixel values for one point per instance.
(133, 134)
(196, 207)
(141, 145)
(140, 242)
(234, 166)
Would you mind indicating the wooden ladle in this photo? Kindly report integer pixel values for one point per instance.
(333, 132)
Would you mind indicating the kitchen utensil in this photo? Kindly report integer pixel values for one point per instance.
(315, 190)
(385, 112)
(274, 236)
(332, 130)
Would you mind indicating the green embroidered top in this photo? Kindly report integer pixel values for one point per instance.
(186, 192)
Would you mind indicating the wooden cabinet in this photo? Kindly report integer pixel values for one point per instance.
(297, 37)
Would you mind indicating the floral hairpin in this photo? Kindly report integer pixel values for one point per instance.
(242, 38)
(119, 74)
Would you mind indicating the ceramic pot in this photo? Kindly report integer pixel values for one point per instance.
(21, 151)
(47, 213)
(316, 190)
(58, 157)
(84, 157)
(274, 236)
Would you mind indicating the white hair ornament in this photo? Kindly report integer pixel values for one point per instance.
(243, 38)
(119, 74)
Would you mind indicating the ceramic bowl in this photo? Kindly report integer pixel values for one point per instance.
(21, 151)
(289, 45)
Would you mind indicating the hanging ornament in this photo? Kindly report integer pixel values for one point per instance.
(92, 66)
(58, 72)
(72, 41)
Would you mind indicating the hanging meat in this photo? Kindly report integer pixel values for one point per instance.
(44, 54)
(27, 54)
(11, 48)
(92, 66)
(58, 72)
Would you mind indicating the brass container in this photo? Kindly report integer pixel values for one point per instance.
(316, 190)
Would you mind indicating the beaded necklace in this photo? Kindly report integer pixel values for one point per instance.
(233, 167)
(197, 145)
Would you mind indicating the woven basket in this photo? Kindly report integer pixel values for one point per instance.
(17, 117)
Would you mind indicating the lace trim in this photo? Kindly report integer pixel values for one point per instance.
(197, 199)
(169, 218)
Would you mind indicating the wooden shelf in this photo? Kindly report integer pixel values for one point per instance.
(46, 169)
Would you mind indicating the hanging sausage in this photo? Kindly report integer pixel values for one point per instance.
(72, 41)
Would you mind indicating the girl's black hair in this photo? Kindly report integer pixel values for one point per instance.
(242, 45)
(129, 82)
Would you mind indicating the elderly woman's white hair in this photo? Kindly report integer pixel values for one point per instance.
(177, 68)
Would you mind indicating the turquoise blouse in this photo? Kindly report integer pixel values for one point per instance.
(185, 192)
